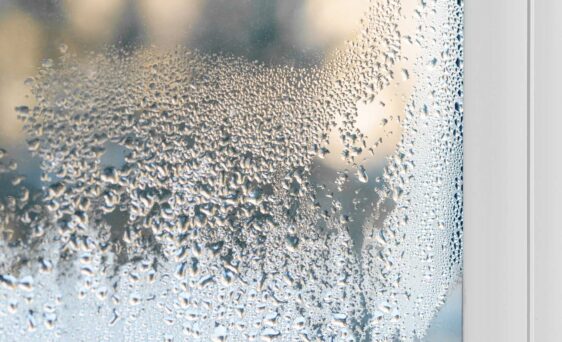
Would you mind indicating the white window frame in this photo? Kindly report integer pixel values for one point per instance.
(512, 179)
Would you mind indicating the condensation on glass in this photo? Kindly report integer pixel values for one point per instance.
(231, 170)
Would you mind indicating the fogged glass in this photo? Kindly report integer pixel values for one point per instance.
(193, 170)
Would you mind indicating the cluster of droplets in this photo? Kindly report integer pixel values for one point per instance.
(177, 188)
(420, 243)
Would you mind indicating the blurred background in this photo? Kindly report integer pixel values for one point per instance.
(277, 32)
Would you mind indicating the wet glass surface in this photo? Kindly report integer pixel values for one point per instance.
(231, 170)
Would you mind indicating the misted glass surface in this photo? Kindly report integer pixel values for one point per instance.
(240, 170)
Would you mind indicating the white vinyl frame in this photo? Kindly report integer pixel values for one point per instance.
(546, 177)
(498, 236)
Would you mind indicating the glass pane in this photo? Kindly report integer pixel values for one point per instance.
(192, 170)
